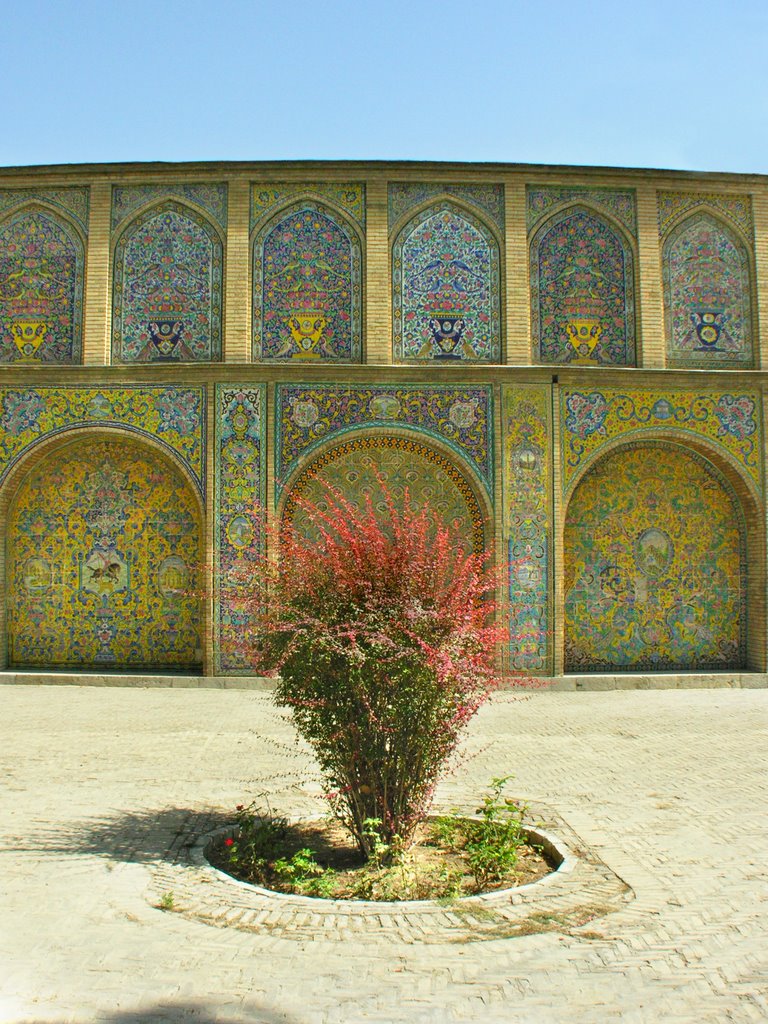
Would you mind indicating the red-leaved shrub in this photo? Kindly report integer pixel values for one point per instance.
(384, 633)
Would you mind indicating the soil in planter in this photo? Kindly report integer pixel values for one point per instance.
(335, 870)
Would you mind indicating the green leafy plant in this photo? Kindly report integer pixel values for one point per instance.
(383, 629)
(493, 842)
(167, 901)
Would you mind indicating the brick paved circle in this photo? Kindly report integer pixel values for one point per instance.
(580, 889)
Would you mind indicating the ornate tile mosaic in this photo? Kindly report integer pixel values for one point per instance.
(487, 199)
(582, 291)
(167, 290)
(72, 201)
(307, 287)
(104, 538)
(211, 198)
(527, 488)
(620, 204)
(654, 565)
(308, 415)
(42, 276)
(173, 416)
(348, 196)
(707, 295)
(240, 500)
(731, 421)
(356, 467)
(446, 289)
(675, 205)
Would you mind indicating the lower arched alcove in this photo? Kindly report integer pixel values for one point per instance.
(655, 565)
(102, 548)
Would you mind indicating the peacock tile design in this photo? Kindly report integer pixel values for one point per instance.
(655, 565)
(446, 288)
(167, 288)
(308, 415)
(527, 522)
(104, 540)
(308, 287)
(42, 277)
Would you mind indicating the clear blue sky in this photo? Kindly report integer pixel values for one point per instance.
(676, 84)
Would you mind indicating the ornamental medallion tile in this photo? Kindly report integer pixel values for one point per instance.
(347, 196)
(211, 198)
(173, 416)
(619, 203)
(674, 206)
(731, 421)
(308, 415)
(73, 201)
(487, 199)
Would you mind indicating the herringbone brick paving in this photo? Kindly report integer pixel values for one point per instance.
(103, 787)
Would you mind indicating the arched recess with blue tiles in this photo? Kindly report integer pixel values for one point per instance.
(42, 274)
(446, 287)
(167, 287)
(308, 286)
(655, 569)
(707, 267)
(411, 465)
(582, 281)
(103, 543)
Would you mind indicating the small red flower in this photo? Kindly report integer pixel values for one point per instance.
(229, 841)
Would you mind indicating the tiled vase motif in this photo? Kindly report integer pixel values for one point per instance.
(707, 295)
(446, 288)
(167, 288)
(307, 281)
(582, 290)
(42, 273)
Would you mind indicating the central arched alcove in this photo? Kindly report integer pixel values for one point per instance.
(355, 466)
(102, 548)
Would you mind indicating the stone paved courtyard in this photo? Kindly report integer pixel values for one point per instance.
(103, 787)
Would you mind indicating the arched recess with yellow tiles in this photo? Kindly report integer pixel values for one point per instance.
(430, 476)
(104, 537)
(655, 564)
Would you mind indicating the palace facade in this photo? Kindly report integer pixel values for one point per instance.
(568, 361)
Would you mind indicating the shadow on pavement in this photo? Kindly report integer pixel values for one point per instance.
(196, 1012)
(141, 837)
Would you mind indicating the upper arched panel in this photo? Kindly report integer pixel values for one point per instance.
(42, 273)
(167, 287)
(307, 286)
(707, 294)
(446, 288)
(582, 290)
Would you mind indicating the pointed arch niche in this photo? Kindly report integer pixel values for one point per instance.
(104, 534)
(582, 290)
(408, 464)
(167, 287)
(307, 286)
(707, 268)
(655, 559)
(42, 275)
(446, 290)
